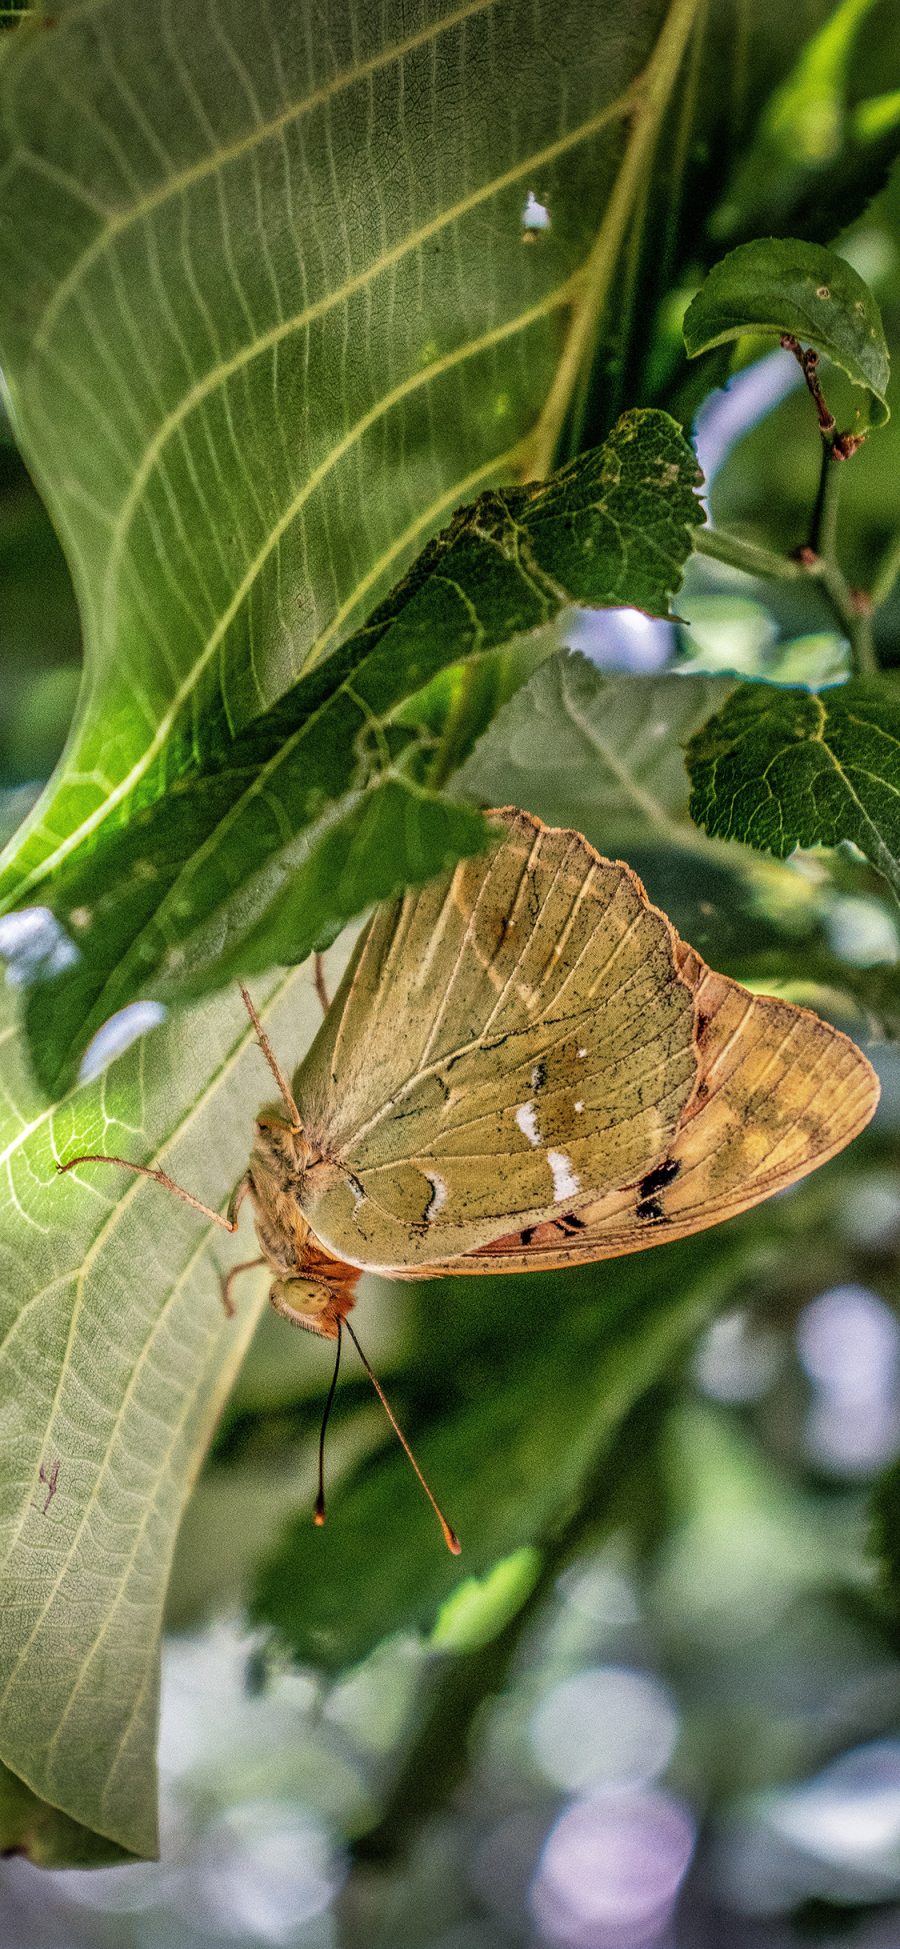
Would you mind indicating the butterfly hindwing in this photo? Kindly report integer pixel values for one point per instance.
(516, 1035)
(778, 1093)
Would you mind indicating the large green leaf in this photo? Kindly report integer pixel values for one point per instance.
(52, 1840)
(278, 836)
(782, 768)
(115, 1360)
(269, 317)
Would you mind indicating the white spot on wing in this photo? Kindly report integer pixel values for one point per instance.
(582, 1053)
(565, 1181)
(438, 1197)
(579, 1107)
(527, 1123)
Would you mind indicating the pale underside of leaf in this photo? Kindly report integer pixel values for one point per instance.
(115, 1360)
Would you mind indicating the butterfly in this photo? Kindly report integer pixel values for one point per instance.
(524, 1067)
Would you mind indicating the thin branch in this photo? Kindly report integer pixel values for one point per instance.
(883, 585)
(747, 555)
(823, 526)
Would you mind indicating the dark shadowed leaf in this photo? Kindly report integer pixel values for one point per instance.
(781, 768)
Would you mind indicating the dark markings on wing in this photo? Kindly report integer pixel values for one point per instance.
(649, 1208)
(657, 1179)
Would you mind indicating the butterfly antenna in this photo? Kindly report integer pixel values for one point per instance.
(319, 1515)
(450, 1537)
(272, 1060)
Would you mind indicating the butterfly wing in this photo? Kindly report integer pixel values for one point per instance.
(778, 1093)
(512, 1036)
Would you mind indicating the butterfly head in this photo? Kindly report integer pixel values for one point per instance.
(317, 1304)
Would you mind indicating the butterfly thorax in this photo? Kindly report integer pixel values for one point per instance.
(313, 1289)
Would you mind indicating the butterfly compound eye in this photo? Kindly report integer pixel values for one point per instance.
(309, 1303)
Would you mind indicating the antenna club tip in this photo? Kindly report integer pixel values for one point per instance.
(319, 1516)
(452, 1541)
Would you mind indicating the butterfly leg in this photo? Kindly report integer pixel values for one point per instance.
(240, 1192)
(228, 1279)
(228, 1222)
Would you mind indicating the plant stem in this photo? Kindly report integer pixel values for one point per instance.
(823, 527)
(747, 555)
(888, 572)
(862, 645)
(855, 621)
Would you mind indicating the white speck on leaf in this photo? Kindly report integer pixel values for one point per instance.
(35, 946)
(535, 216)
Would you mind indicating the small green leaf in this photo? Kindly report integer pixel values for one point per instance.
(780, 285)
(278, 836)
(478, 1608)
(781, 768)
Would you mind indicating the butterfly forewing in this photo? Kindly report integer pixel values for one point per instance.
(516, 1036)
(778, 1093)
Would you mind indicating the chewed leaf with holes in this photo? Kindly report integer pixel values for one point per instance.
(268, 319)
(115, 1360)
(278, 836)
(782, 768)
